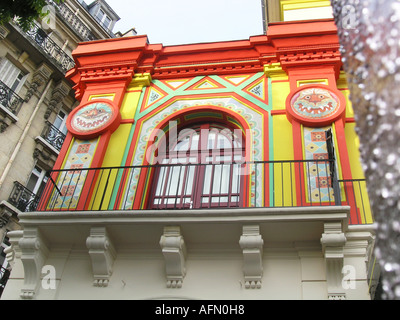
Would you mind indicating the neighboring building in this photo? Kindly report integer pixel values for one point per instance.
(35, 100)
(295, 10)
(226, 170)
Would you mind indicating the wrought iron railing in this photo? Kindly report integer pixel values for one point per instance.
(53, 136)
(4, 275)
(9, 99)
(73, 20)
(50, 48)
(22, 198)
(200, 186)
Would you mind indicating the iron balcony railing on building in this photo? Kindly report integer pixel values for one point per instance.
(73, 20)
(53, 136)
(22, 198)
(9, 99)
(266, 184)
(50, 48)
(4, 275)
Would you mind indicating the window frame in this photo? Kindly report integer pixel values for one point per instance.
(199, 172)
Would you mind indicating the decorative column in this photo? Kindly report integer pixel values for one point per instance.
(102, 254)
(333, 240)
(252, 243)
(174, 250)
(34, 252)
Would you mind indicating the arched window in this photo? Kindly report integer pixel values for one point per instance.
(200, 168)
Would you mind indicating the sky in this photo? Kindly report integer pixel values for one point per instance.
(173, 22)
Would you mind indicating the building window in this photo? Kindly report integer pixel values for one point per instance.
(37, 181)
(11, 75)
(60, 122)
(103, 19)
(200, 169)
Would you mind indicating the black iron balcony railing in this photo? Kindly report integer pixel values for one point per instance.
(53, 136)
(73, 20)
(22, 198)
(50, 48)
(9, 99)
(4, 275)
(200, 186)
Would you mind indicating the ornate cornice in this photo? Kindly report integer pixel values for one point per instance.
(292, 45)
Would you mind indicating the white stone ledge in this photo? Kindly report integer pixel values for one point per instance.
(244, 215)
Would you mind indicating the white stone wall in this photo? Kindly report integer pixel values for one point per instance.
(289, 274)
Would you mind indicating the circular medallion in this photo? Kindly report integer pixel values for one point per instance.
(315, 105)
(93, 119)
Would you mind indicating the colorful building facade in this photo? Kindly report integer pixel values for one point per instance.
(239, 153)
(281, 98)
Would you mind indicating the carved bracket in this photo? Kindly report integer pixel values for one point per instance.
(34, 252)
(174, 251)
(41, 75)
(333, 241)
(252, 243)
(59, 93)
(102, 253)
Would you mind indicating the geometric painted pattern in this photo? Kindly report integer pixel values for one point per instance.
(253, 118)
(319, 186)
(70, 183)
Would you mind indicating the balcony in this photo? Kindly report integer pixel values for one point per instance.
(4, 275)
(73, 21)
(191, 186)
(54, 137)
(9, 99)
(10, 104)
(52, 51)
(22, 198)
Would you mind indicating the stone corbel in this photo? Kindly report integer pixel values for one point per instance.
(102, 254)
(41, 75)
(174, 251)
(34, 252)
(13, 252)
(252, 243)
(59, 93)
(333, 241)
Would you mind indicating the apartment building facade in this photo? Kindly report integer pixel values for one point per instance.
(36, 99)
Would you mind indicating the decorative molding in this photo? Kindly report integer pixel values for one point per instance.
(174, 251)
(333, 241)
(192, 70)
(140, 79)
(34, 252)
(59, 93)
(274, 70)
(252, 243)
(102, 253)
(41, 75)
(13, 252)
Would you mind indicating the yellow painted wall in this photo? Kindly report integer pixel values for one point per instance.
(118, 142)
